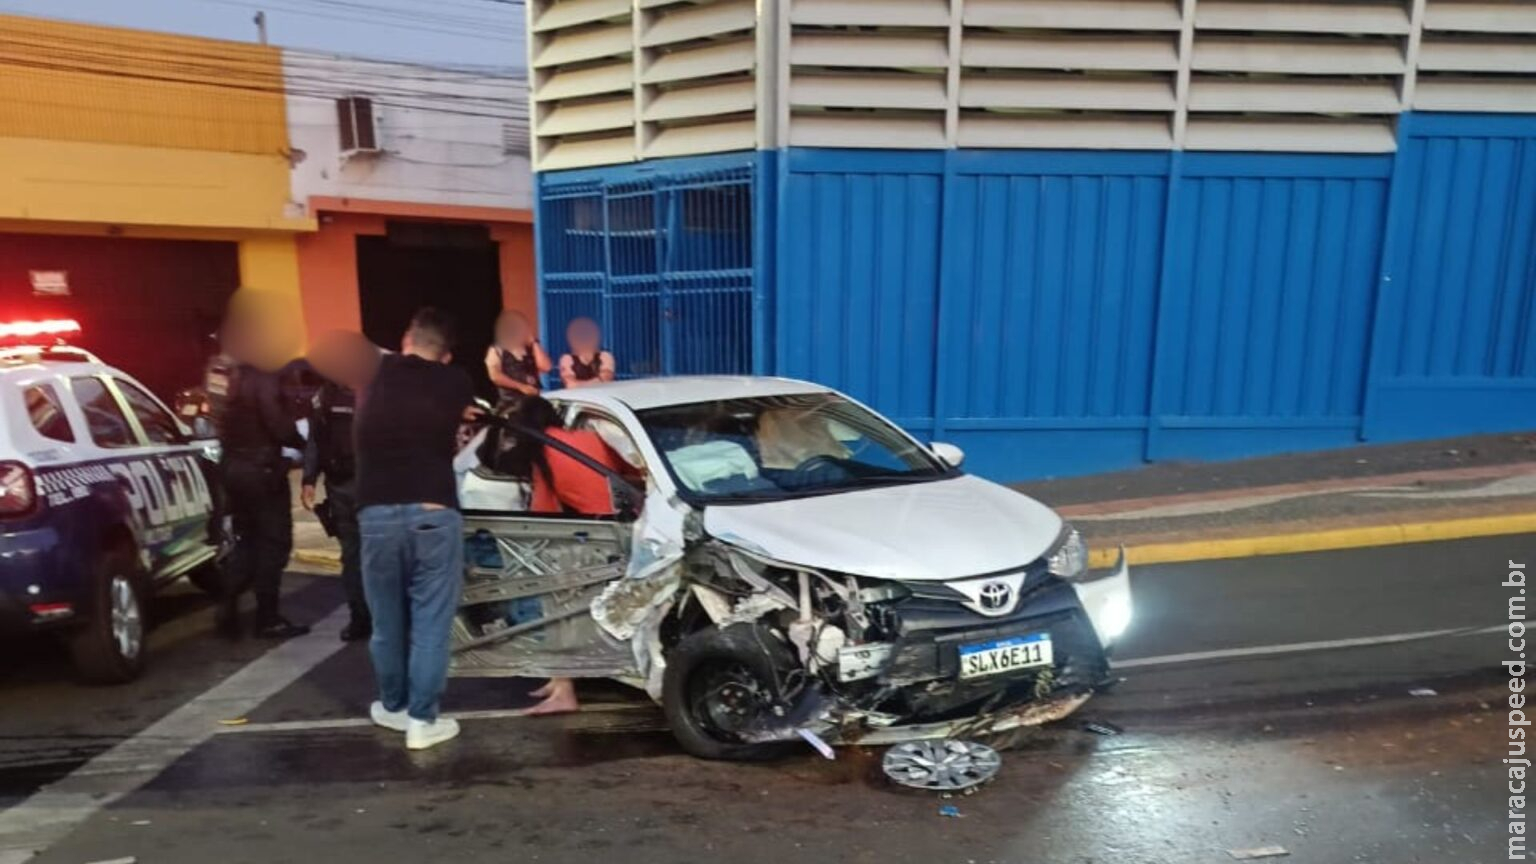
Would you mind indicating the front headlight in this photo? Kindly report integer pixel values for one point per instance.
(1069, 560)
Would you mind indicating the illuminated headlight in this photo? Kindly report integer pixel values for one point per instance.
(1069, 559)
(1116, 617)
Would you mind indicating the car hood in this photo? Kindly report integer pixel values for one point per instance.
(930, 531)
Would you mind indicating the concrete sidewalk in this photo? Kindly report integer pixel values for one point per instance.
(1302, 502)
(1362, 496)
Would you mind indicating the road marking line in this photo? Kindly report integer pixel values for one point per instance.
(1316, 541)
(54, 811)
(1134, 663)
(1299, 647)
(359, 722)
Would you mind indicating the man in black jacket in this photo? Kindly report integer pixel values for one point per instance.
(253, 431)
(330, 453)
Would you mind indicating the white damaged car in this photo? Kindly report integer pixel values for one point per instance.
(794, 563)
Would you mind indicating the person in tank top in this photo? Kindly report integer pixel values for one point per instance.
(516, 361)
(586, 363)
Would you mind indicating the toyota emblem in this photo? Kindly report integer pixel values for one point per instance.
(995, 596)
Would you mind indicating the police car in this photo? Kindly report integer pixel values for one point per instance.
(105, 497)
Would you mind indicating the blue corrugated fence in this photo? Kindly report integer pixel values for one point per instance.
(663, 257)
(1057, 312)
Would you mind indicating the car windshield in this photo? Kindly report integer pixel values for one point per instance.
(776, 447)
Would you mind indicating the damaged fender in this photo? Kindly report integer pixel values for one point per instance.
(633, 607)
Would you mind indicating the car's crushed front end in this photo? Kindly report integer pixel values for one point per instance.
(950, 668)
(878, 661)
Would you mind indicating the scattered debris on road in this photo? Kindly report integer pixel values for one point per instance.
(949, 811)
(1258, 852)
(1100, 727)
(1423, 691)
(821, 746)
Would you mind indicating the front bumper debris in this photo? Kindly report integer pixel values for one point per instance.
(1017, 717)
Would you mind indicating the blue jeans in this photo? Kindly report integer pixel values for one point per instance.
(413, 570)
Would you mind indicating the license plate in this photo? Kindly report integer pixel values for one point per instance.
(1005, 655)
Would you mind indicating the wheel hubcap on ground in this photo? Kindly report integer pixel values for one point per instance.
(127, 621)
(945, 766)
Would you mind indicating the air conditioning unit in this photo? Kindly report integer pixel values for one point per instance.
(359, 130)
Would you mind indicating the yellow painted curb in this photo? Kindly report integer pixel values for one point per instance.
(317, 556)
(1317, 541)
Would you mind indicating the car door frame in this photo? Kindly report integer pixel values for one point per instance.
(525, 537)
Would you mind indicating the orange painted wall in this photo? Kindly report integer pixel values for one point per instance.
(328, 269)
(519, 286)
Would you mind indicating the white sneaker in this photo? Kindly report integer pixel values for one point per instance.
(422, 734)
(397, 721)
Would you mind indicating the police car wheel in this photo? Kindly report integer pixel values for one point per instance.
(109, 649)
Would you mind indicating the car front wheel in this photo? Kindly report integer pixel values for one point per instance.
(722, 691)
(110, 648)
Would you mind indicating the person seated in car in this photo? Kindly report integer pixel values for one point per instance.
(788, 437)
(561, 484)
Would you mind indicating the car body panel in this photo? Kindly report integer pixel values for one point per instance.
(897, 573)
(937, 530)
(641, 394)
(160, 497)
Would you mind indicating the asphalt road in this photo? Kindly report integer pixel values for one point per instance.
(1323, 752)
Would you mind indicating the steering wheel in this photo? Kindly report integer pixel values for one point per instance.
(815, 463)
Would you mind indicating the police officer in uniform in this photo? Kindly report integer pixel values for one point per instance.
(330, 453)
(253, 430)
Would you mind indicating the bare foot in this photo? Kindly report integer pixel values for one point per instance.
(544, 691)
(559, 698)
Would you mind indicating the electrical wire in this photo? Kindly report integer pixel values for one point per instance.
(419, 92)
(255, 71)
(385, 16)
(254, 59)
(508, 37)
(160, 45)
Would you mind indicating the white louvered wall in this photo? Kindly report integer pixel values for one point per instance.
(1477, 55)
(619, 80)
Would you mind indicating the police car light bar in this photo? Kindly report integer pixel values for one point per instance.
(32, 329)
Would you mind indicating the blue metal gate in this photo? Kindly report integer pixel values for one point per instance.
(665, 262)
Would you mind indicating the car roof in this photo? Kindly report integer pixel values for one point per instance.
(68, 368)
(644, 393)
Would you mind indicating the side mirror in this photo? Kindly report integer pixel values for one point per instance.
(202, 429)
(949, 454)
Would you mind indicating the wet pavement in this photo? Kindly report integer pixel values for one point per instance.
(1323, 752)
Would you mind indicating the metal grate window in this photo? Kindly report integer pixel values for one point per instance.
(665, 264)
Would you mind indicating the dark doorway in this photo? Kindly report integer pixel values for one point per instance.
(454, 268)
(148, 307)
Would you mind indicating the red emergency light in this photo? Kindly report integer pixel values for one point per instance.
(58, 328)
